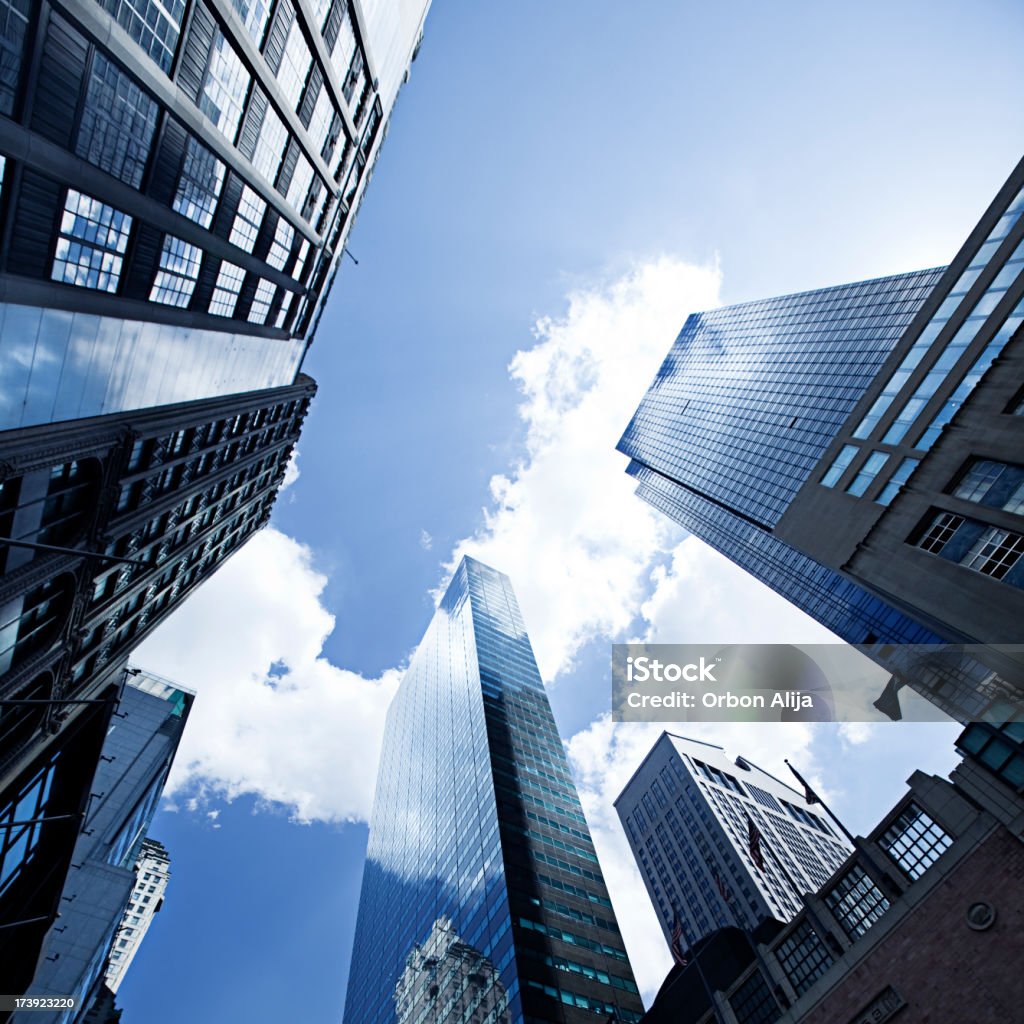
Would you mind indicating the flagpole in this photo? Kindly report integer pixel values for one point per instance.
(695, 960)
(811, 797)
(861, 849)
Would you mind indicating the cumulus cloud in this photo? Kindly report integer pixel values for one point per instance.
(564, 520)
(273, 718)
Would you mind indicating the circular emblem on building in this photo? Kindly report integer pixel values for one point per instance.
(981, 916)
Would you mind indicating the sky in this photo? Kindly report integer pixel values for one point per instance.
(562, 183)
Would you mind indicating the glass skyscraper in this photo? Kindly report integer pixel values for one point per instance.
(482, 897)
(858, 449)
(177, 183)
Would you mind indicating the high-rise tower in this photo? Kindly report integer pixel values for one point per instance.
(858, 449)
(686, 812)
(480, 860)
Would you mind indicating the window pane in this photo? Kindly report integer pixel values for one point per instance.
(91, 243)
(224, 88)
(154, 24)
(179, 268)
(199, 186)
(117, 123)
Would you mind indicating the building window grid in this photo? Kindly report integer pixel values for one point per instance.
(753, 1002)
(225, 85)
(804, 957)
(118, 123)
(14, 22)
(995, 552)
(202, 177)
(295, 64)
(897, 481)
(281, 247)
(978, 480)
(91, 244)
(856, 902)
(940, 531)
(153, 24)
(914, 841)
(179, 267)
(872, 467)
(261, 301)
(254, 15)
(248, 218)
(270, 145)
(225, 292)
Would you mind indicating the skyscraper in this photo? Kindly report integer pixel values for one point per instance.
(137, 756)
(858, 449)
(687, 812)
(152, 873)
(110, 523)
(479, 852)
(178, 183)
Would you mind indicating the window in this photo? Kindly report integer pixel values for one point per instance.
(17, 845)
(286, 304)
(14, 16)
(975, 483)
(299, 185)
(939, 533)
(995, 552)
(154, 24)
(896, 481)
(254, 14)
(224, 87)
(281, 247)
(856, 902)
(90, 247)
(270, 145)
(344, 45)
(803, 957)
(839, 464)
(225, 293)
(753, 1002)
(261, 301)
(199, 186)
(248, 220)
(322, 117)
(914, 841)
(295, 62)
(179, 268)
(868, 472)
(118, 122)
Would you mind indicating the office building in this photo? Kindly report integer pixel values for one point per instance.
(178, 183)
(858, 449)
(922, 923)
(107, 878)
(111, 522)
(686, 812)
(152, 873)
(479, 853)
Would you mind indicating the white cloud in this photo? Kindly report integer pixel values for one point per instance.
(305, 735)
(426, 541)
(291, 471)
(565, 522)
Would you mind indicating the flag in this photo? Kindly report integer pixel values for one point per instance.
(723, 889)
(889, 701)
(677, 942)
(809, 795)
(754, 843)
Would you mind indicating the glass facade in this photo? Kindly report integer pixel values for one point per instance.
(69, 365)
(459, 847)
(751, 396)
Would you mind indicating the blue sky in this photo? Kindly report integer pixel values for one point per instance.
(561, 185)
